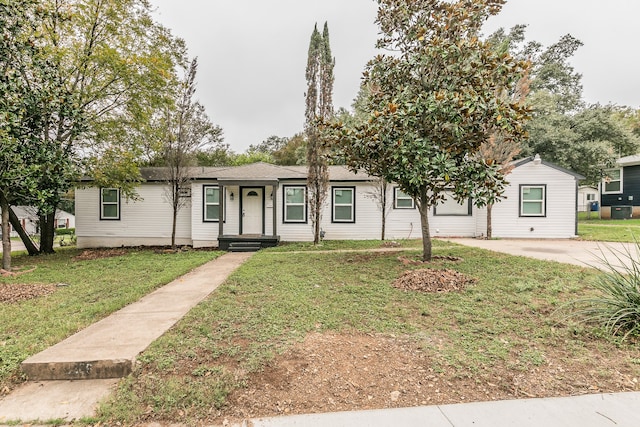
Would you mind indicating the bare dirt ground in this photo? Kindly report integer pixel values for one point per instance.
(339, 372)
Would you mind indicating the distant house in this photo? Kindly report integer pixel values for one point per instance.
(588, 198)
(620, 189)
(265, 204)
(28, 217)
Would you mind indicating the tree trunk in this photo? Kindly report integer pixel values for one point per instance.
(426, 234)
(26, 240)
(47, 232)
(176, 194)
(316, 217)
(6, 237)
(489, 226)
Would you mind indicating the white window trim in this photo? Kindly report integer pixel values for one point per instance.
(103, 203)
(543, 201)
(465, 204)
(205, 204)
(303, 204)
(352, 204)
(396, 190)
(604, 183)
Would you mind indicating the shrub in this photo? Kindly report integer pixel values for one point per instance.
(616, 307)
(61, 231)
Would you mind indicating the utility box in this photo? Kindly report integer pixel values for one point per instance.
(621, 212)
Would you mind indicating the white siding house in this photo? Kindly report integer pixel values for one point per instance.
(28, 217)
(267, 203)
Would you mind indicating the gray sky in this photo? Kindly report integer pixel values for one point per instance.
(252, 53)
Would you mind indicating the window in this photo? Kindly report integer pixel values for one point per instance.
(533, 200)
(61, 223)
(211, 203)
(402, 200)
(613, 181)
(110, 203)
(295, 203)
(591, 196)
(343, 204)
(451, 207)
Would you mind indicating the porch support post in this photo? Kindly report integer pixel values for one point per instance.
(221, 213)
(274, 202)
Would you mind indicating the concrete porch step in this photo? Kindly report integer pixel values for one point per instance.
(244, 246)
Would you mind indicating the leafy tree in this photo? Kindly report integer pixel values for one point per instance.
(293, 152)
(187, 130)
(249, 158)
(116, 64)
(500, 150)
(319, 106)
(433, 103)
(33, 99)
(269, 145)
(220, 155)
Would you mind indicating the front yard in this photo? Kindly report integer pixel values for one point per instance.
(608, 230)
(300, 329)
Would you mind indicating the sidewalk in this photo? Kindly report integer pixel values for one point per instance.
(596, 410)
(106, 350)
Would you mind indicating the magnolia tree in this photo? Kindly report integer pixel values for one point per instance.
(433, 100)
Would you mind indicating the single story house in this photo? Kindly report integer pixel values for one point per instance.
(620, 189)
(588, 198)
(265, 204)
(28, 217)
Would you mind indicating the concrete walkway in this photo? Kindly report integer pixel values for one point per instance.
(578, 252)
(107, 350)
(596, 410)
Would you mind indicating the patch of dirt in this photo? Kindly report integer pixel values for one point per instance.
(417, 261)
(90, 254)
(433, 280)
(339, 372)
(16, 292)
(14, 272)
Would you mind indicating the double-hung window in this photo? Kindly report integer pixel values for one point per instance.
(402, 200)
(452, 207)
(343, 204)
(612, 182)
(295, 203)
(533, 200)
(110, 203)
(211, 203)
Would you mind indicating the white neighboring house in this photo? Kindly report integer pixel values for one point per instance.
(28, 217)
(265, 204)
(588, 195)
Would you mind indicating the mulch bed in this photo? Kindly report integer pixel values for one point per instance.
(16, 292)
(433, 280)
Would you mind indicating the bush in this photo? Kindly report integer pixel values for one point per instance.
(616, 307)
(61, 231)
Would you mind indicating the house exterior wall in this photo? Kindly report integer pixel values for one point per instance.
(144, 222)
(148, 221)
(560, 203)
(629, 196)
(586, 195)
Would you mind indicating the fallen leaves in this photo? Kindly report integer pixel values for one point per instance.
(433, 280)
(16, 292)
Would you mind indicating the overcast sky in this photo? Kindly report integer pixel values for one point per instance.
(252, 53)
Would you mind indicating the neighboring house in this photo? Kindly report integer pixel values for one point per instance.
(28, 217)
(620, 189)
(588, 198)
(266, 204)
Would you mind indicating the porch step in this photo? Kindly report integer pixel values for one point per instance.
(244, 246)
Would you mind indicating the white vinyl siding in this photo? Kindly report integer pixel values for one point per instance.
(295, 203)
(613, 182)
(144, 221)
(110, 203)
(343, 206)
(533, 200)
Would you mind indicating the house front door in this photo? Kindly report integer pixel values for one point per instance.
(252, 210)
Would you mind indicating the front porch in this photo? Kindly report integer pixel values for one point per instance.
(247, 242)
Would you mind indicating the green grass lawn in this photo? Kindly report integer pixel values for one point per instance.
(608, 230)
(508, 323)
(93, 290)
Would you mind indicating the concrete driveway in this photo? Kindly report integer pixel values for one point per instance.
(577, 252)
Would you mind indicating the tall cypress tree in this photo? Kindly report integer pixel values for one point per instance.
(319, 107)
